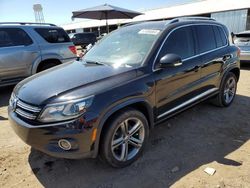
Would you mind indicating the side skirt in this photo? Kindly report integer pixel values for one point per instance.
(186, 105)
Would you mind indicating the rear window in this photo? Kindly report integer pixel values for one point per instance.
(14, 37)
(52, 35)
(206, 38)
(242, 37)
(220, 37)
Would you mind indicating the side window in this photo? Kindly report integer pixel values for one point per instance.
(52, 35)
(180, 42)
(206, 38)
(220, 37)
(14, 37)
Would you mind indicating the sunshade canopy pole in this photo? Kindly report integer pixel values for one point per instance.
(106, 17)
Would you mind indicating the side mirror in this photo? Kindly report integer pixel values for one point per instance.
(170, 60)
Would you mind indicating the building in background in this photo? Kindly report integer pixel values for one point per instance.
(234, 14)
(38, 11)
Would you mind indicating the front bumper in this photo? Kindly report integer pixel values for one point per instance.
(245, 56)
(45, 137)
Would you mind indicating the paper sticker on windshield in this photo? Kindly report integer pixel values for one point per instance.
(149, 31)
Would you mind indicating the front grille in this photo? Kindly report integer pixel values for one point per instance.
(28, 107)
(23, 109)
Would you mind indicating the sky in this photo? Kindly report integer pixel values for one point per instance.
(60, 11)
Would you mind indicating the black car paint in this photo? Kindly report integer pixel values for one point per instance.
(148, 87)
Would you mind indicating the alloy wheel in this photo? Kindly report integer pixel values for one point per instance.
(229, 90)
(127, 139)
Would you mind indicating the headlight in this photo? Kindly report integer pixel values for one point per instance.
(65, 111)
(12, 99)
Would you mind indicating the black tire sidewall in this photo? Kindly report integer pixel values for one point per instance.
(106, 152)
(47, 66)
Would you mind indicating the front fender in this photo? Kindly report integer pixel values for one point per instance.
(116, 108)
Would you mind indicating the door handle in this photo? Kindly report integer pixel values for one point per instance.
(196, 68)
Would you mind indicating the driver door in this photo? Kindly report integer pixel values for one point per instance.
(175, 86)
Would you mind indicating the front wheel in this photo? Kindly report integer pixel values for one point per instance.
(124, 138)
(227, 91)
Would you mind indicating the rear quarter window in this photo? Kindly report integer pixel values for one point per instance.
(206, 38)
(53, 35)
(220, 36)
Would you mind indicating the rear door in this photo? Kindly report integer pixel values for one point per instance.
(212, 43)
(176, 86)
(17, 53)
(55, 44)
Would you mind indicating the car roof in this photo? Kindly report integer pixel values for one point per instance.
(161, 25)
(148, 24)
(27, 25)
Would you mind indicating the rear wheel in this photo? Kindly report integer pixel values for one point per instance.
(227, 91)
(124, 138)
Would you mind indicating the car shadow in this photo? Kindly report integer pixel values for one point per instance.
(245, 65)
(198, 136)
(5, 93)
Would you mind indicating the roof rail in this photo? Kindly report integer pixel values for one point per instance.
(191, 18)
(132, 23)
(25, 23)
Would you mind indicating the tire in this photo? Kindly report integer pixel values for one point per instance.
(119, 148)
(227, 91)
(47, 66)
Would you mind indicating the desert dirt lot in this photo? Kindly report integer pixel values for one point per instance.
(178, 152)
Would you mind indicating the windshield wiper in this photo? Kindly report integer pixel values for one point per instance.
(95, 62)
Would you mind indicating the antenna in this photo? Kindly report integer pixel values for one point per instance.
(38, 11)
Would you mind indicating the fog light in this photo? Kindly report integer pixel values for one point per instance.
(64, 144)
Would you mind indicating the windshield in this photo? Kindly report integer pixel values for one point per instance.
(126, 47)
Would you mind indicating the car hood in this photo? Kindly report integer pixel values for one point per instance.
(65, 81)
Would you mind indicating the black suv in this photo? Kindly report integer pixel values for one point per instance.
(134, 78)
(83, 39)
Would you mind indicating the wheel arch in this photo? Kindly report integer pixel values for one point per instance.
(45, 58)
(138, 104)
(45, 61)
(236, 72)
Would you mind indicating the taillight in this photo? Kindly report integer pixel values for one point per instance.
(73, 49)
(238, 52)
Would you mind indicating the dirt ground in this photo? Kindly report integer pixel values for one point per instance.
(178, 152)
